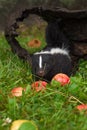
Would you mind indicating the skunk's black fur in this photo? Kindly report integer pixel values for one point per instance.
(55, 36)
(46, 64)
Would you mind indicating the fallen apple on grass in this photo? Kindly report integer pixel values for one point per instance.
(82, 107)
(17, 91)
(63, 79)
(39, 85)
(23, 125)
(34, 43)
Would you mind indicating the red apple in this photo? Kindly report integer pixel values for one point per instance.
(17, 91)
(34, 43)
(82, 107)
(39, 85)
(62, 78)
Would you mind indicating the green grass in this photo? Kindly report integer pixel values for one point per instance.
(55, 109)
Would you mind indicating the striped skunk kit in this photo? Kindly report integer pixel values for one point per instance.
(66, 37)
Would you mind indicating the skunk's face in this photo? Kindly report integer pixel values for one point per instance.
(47, 63)
(41, 64)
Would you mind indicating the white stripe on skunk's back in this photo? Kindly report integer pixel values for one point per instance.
(53, 51)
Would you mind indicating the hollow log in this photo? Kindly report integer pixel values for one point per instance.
(72, 23)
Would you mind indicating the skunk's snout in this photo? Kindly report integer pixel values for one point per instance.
(41, 73)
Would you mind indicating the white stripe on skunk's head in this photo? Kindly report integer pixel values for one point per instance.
(40, 61)
(49, 62)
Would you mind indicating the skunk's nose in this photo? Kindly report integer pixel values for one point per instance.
(41, 73)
